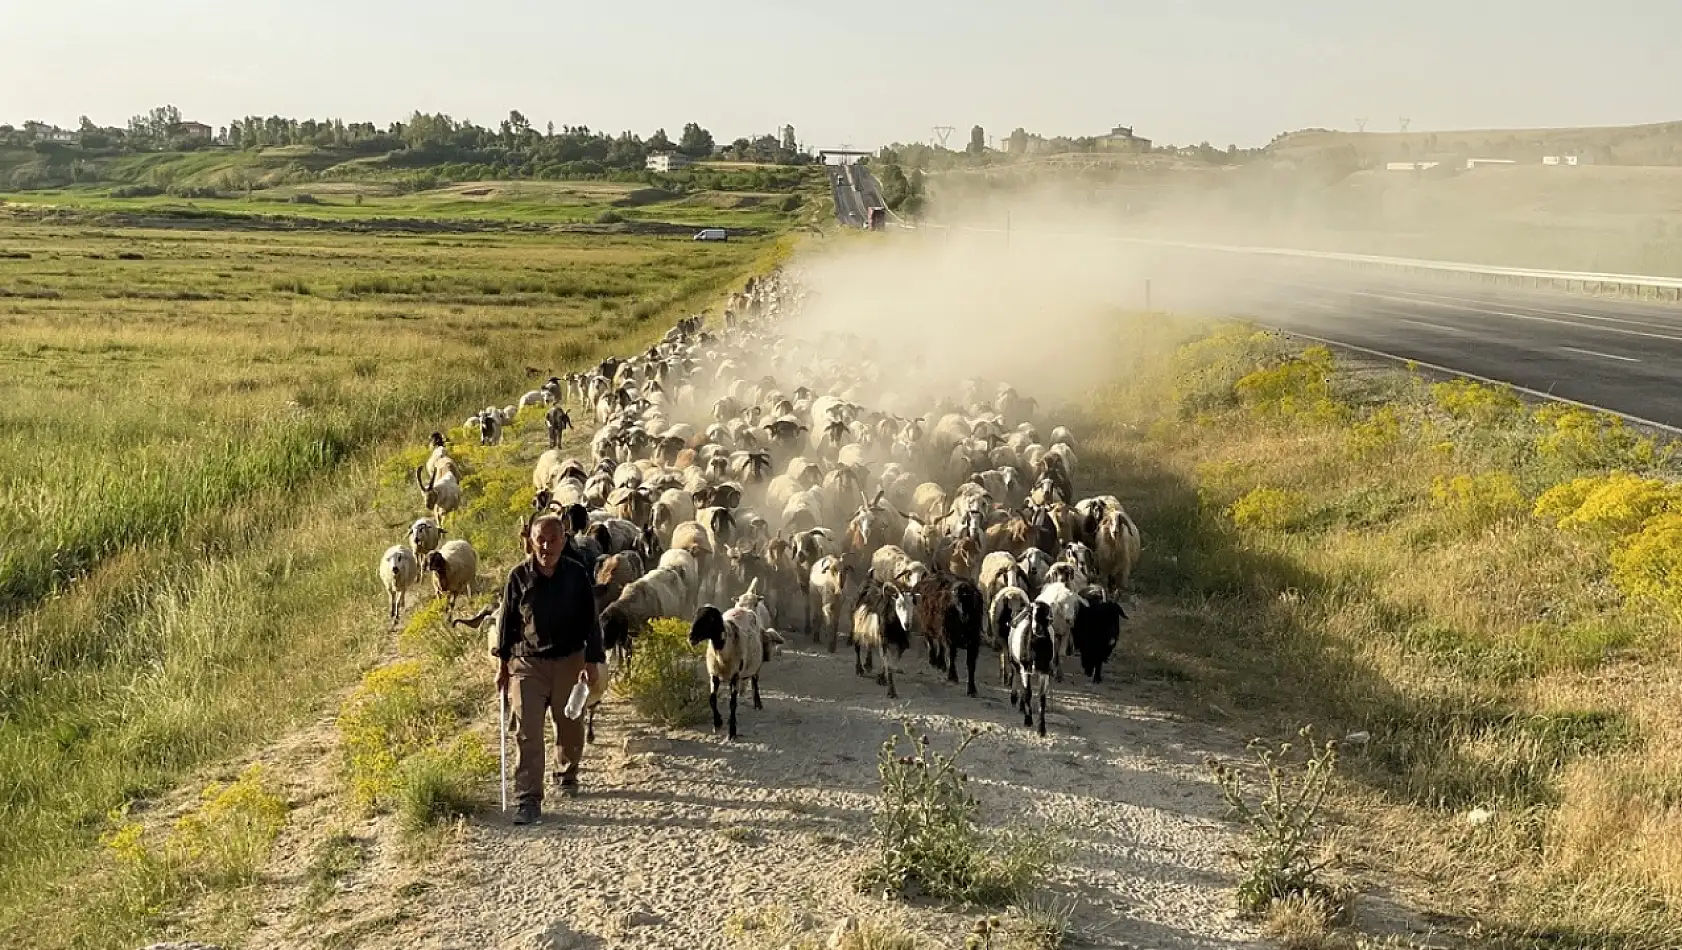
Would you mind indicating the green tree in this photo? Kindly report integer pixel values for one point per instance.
(658, 142)
(696, 142)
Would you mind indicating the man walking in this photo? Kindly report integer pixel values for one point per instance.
(549, 636)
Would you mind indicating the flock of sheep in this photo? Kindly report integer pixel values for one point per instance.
(764, 483)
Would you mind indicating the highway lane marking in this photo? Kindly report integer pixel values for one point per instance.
(1609, 356)
(1524, 316)
(1485, 379)
(1442, 303)
(1445, 298)
(1434, 326)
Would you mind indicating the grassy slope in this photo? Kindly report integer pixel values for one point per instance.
(1362, 555)
(207, 472)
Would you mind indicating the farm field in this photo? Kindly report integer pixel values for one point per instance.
(198, 420)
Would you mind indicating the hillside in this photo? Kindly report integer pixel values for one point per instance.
(1655, 144)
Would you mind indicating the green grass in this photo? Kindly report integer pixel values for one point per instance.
(208, 463)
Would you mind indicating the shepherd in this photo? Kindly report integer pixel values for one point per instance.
(549, 639)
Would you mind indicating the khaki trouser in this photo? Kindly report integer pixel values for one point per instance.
(537, 685)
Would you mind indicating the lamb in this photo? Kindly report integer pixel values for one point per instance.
(826, 585)
(557, 421)
(490, 429)
(453, 567)
(399, 570)
(1032, 656)
(950, 614)
(1006, 608)
(1096, 632)
(881, 626)
(1065, 604)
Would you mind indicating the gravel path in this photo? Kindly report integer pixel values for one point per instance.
(679, 836)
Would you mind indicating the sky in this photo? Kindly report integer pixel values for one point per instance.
(863, 73)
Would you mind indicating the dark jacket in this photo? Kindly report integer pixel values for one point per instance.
(551, 616)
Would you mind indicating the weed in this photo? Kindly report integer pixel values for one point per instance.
(399, 709)
(1477, 501)
(1296, 389)
(1476, 403)
(1271, 508)
(927, 841)
(665, 681)
(1038, 924)
(336, 857)
(221, 843)
(1284, 822)
(440, 783)
(1301, 922)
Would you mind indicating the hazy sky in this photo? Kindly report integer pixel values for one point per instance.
(864, 72)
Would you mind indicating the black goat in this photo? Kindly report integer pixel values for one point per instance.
(951, 614)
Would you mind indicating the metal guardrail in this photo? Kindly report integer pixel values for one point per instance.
(1634, 285)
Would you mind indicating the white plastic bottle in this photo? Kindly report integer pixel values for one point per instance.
(575, 702)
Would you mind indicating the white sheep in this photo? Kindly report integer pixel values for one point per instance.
(398, 572)
(442, 493)
(424, 537)
(453, 567)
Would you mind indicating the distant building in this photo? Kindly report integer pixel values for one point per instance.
(58, 135)
(1121, 138)
(668, 161)
(1410, 166)
(1561, 159)
(1475, 162)
(194, 130)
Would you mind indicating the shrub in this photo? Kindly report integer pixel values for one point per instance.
(927, 841)
(1478, 500)
(609, 217)
(1034, 925)
(396, 711)
(1295, 389)
(1271, 508)
(1581, 439)
(665, 681)
(1206, 370)
(1616, 505)
(1284, 823)
(1377, 434)
(1648, 566)
(1474, 402)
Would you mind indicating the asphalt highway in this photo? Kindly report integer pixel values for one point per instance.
(1619, 355)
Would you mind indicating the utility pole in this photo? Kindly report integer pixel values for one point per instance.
(1360, 125)
(1404, 123)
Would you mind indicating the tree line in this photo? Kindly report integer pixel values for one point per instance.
(427, 138)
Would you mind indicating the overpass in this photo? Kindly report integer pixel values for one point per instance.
(844, 156)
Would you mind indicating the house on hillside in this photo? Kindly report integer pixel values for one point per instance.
(1122, 139)
(193, 130)
(667, 161)
(1563, 160)
(1477, 162)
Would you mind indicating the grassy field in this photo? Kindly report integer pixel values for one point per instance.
(200, 423)
(1490, 589)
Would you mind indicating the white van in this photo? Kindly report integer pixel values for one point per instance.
(712, 234)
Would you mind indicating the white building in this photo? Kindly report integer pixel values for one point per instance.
(1409, 166)
(668, 161)
(1560, 159)
(1475, 162)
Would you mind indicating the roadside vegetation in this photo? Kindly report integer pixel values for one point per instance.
(1488, 589)
(211, 434)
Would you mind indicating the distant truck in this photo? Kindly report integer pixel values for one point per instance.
(876, 219)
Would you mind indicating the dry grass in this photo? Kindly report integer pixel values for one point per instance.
(1498, 660)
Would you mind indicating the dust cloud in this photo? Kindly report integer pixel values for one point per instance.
(1041, 311)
